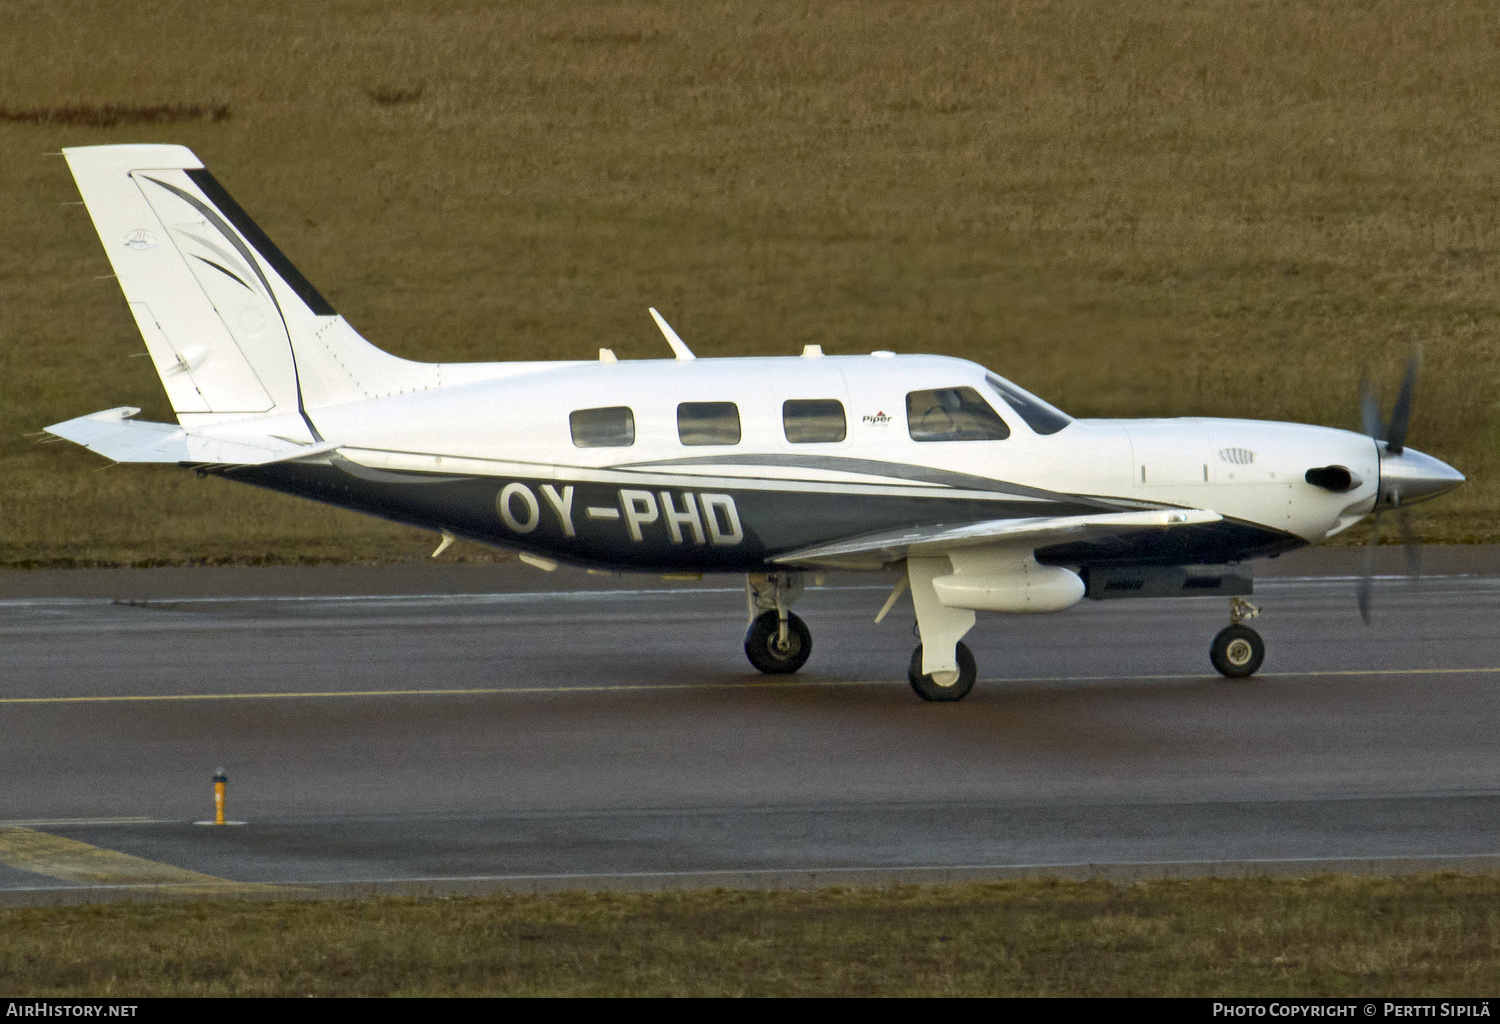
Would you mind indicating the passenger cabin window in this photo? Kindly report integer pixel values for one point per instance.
(1039, 416)
(613, 427)
(813, 420)
(708, 423)
(952, 414)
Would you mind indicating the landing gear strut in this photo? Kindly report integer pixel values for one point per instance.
(1238, 650)
(935, 674)
(777, 642)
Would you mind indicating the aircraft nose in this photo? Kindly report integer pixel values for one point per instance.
(1409, 476)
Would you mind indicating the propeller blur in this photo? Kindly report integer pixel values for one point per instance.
(1407, 476)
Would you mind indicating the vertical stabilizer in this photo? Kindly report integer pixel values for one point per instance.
(234, 329)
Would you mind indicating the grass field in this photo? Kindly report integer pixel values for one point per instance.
(1435, 935)
(1223, 207)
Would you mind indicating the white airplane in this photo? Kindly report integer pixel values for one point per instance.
(987, 497)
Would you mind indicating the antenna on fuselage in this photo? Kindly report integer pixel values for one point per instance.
(679, 349)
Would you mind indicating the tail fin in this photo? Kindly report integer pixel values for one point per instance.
(234, 329)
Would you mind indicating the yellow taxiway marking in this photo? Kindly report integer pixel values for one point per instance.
(72, 861)
(771, 684)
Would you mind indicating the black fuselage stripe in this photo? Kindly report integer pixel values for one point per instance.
(869, 467)
(769, 522)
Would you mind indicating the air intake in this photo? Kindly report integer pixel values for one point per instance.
(1337, 479)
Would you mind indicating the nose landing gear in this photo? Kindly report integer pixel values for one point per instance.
(1238, 650)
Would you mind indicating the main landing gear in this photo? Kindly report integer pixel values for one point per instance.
(777, 642)
(935, 674)
(1238, 650)
(941, 686)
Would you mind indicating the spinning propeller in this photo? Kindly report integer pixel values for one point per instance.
(1406, 475)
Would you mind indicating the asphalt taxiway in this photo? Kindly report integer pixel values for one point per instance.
(452, 727)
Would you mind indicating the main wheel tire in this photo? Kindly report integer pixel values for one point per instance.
(764, 648)
(1237, 651)
(929, 689)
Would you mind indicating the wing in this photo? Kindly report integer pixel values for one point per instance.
(894, 545)
(116, 436)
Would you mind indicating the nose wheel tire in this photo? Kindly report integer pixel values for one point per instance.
(956, 688)
(1237, 651)
(767, 652)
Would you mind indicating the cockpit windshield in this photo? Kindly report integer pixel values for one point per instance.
(1039, 416)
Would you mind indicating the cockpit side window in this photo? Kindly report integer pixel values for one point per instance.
(1039, 416)
(952, 414)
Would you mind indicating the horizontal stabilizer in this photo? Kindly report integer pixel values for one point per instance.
(116, 436)
(894, 545)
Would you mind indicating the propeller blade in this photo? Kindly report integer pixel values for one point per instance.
(1369, 409)
(1409, 540)
(1366, 578)
(1395, 433)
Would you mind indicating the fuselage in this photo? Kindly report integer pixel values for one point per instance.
(729, 462)
(982, 495)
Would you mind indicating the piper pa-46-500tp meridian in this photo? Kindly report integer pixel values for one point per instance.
(989, 498)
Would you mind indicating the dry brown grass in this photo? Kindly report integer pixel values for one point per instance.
(1431, 936)
(1158, 207)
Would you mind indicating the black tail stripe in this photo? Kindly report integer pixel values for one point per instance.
(223, 270)
(237, 216)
